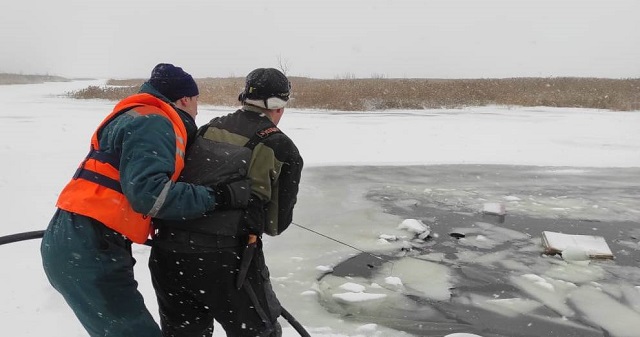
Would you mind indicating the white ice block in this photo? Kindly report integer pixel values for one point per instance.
(594, 246)
(494, 208)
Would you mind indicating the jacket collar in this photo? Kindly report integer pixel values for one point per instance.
(147, 88)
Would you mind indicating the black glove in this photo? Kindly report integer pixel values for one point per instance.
(232, 194)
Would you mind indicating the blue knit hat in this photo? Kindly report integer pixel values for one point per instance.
(173, 82)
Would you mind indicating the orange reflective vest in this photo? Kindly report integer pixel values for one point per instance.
(95, 189)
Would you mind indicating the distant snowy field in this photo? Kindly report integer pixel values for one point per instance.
(45, 135)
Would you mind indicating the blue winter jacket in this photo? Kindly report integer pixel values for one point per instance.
(146, 145)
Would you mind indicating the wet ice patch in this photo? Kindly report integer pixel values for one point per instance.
(547, 291)
(420, 278)
(575, 272)
(512, 307)
(539, 192)
(617, 319)
(485, 235)
(487, 259)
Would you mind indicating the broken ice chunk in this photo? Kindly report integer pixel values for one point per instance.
(353, 287)
(494, 208)
(415, 226)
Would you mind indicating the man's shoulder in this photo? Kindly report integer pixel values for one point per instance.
(282, 145)
(130, 124)
(139, 119)
(227, 120)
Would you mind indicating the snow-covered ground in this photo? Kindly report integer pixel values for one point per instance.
(44, 136)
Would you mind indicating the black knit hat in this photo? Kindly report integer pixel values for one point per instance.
(266, 88)
(173, 82)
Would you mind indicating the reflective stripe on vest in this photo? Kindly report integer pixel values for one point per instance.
(95, 189)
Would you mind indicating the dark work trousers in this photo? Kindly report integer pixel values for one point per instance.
(92, 267)
(195, 285)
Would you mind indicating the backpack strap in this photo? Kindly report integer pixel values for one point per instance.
(260, 135)
(254, 140)
(203, 129)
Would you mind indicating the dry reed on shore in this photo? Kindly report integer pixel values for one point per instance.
(382, 94)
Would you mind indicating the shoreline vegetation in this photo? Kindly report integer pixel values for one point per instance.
(376, 94)
(6, 79)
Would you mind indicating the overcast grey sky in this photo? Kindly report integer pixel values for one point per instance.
(324, 38)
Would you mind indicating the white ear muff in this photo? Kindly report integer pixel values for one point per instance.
(270, 103)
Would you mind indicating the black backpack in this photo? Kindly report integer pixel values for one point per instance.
(208, 163)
